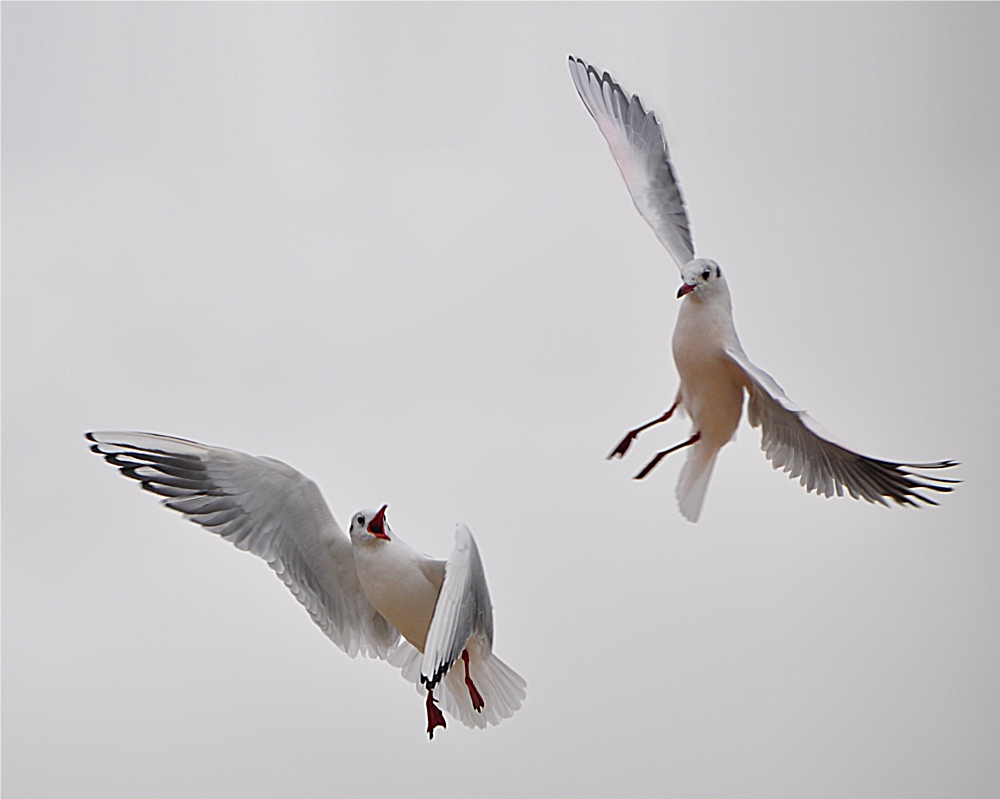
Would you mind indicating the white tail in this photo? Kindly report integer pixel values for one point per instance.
(693, 481)
(502, 688)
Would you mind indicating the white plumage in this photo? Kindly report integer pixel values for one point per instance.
(370, 593)
(712, 365)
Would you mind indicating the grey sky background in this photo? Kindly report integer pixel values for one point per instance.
(387, 245)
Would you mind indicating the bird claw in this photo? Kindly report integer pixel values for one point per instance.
(631, 435)
(623, 446)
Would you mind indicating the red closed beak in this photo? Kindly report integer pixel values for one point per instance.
(377, 526)
(686, 288)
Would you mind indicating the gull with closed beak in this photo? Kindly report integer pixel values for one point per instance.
(369, 592)
(714, 370)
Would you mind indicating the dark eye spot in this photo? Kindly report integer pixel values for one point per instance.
(361, 521)
(706, 274)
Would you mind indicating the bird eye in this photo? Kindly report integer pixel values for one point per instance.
(360, 520)
(706, 274)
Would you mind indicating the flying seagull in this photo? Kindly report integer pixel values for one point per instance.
(369, 592)
(714, 370)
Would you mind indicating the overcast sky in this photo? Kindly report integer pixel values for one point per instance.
(388, 245)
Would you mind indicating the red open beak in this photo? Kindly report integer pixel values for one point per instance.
(686, 288)
(377, 526)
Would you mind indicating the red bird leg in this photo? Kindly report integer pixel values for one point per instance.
(660, 456)
(630, 436)
(477, 699)
(435, 718)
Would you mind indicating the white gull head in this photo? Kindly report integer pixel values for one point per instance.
(702, 279)
(368, 526)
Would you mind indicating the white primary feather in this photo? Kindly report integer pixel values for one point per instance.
(463, 610)
(461, 620)
(640, 150)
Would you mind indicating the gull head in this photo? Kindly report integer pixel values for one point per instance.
(368, 525)
(702, 279)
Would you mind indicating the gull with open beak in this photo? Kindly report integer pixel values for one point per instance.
(369, 592)
(714, 370)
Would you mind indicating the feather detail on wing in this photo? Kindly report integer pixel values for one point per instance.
(265, 507)
(463, 610)
(640, 150)
(463, 619)
(795, 443)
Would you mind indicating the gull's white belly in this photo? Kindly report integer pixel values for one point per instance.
(398, 588)
(711, 384)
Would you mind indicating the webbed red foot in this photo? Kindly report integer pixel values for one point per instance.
(435, 718)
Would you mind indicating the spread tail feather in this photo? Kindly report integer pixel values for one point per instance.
(693, 481)
(502, 688)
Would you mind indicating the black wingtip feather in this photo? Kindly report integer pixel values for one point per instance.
(163, 491)
(439, 672)
(936, 465)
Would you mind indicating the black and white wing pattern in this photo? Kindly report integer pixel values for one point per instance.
(265, 507)
(795, 443)
(463, 610)
(640, 150)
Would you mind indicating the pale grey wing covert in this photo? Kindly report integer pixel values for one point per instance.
(463, 610)
(795, 443)
(265, 507)
(640, 150)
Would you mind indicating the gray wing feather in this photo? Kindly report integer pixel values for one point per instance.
(640, 150)
(463, 610)
(795, 443)
(266, 507)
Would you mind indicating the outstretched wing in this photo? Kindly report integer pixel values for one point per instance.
(637, 143)
(265, 507)
(795, 443)
(463, 610)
